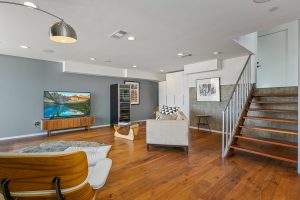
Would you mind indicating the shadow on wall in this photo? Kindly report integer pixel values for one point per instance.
(212, 108)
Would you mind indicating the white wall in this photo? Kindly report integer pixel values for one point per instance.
(97, 70)
(292, 43)
(231, 69)
(248, 41)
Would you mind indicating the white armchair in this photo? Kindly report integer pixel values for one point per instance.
(173, 133)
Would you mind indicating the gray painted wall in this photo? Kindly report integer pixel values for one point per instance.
(211, 108)
(22, 82)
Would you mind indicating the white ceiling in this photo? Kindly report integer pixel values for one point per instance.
(162, 29)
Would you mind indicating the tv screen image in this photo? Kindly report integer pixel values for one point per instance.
(66, 104)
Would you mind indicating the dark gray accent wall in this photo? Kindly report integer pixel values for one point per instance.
(23, 81)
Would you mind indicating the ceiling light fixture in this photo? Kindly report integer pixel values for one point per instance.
(24, 47)
(161, 70)
(216, 53)
(92, 59)
(131, 38)
(59, 32)
(134, 66)
(260, 1)
(183, 55)
(30, 4)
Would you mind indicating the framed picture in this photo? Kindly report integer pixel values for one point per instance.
(135, 91)
(208, 89)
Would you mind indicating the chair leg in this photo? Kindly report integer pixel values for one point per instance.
(148, 147)
(186, 149)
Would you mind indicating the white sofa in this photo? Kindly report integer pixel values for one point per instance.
(173, 133)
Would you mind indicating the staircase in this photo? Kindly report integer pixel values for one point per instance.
(261, 122)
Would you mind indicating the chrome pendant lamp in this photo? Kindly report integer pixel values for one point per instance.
(60, 31)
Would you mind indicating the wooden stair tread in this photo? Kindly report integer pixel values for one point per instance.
(272, 110)
(276, 95)
(268, 141)
(268, 155)
(274, 130)
(275, 102)
(289, 121)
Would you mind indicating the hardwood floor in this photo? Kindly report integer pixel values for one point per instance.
(168, 173)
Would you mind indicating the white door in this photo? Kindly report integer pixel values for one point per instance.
(272, 60)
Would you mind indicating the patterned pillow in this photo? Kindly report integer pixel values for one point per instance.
(161, 116)
(169, 110)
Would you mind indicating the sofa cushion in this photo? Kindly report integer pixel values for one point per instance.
(161, 116)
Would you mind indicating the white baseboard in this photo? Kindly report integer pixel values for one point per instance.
(23, 136)
(205, 129)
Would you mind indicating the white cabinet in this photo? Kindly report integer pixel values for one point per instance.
(162, 93)
(175, 92)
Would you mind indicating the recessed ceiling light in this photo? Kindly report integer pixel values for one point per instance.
(161, 70)
(24, 47)
(92, 59)
(183, 55)
(217, 53)
(260, 1)
(30, 4)
(131, 38)
(134, 66)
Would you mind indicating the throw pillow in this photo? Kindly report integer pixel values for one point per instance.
(168, 110)
(180, 115)
(161, 116)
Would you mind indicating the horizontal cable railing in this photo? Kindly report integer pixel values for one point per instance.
(233, 110)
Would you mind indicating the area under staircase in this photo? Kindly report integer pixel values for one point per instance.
(261, 122)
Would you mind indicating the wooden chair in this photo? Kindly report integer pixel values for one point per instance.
(62, 176)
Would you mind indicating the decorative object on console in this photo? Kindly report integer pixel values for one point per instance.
(120, 106)
(208, 89)
(135, 91)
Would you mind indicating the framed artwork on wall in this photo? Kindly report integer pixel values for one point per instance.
(135, 91)
(208, 89)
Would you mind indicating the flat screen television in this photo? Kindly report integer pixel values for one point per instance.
(66, 104)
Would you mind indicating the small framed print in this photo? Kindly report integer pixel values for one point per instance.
(134, 91)
(208, 89)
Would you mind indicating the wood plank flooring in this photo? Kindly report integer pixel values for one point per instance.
(168, 173)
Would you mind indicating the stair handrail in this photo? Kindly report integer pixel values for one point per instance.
(234, 107)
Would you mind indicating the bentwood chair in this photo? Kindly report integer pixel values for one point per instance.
(51, 176)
